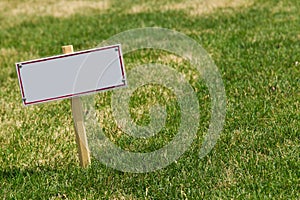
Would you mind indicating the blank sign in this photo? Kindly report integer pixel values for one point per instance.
(70, 75)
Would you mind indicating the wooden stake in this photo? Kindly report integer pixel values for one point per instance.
(81, 139)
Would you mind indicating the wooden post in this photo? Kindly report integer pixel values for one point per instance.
(81, 139)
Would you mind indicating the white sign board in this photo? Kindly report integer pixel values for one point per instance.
(70, 75)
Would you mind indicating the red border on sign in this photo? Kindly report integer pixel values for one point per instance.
(64, 56)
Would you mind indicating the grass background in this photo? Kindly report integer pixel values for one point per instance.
(256, 46)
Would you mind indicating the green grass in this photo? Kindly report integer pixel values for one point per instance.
(256, 49)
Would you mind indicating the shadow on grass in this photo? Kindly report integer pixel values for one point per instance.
(98, 181)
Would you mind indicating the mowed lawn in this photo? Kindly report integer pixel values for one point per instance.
(254, 43)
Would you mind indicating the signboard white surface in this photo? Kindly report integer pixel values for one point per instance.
(70, 75)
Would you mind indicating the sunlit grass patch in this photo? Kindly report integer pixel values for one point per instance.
(191, 7)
